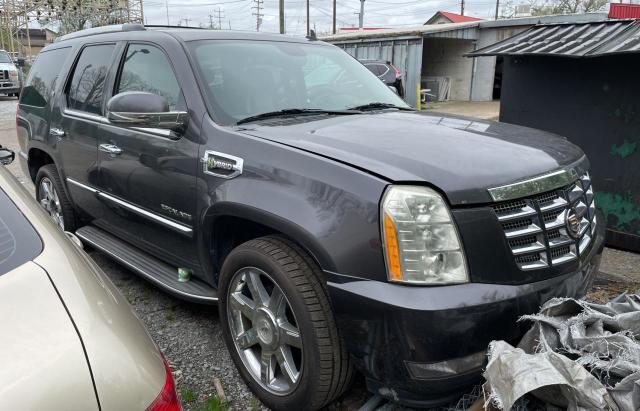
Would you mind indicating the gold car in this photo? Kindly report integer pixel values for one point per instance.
(69, 339)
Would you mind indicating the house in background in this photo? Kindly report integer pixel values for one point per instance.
(444, 17)
(33, 41)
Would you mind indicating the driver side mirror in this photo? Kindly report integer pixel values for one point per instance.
(6, 156)
(145, 110)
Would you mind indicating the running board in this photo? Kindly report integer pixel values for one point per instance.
(157, 272)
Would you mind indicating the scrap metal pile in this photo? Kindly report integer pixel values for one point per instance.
(577, 356)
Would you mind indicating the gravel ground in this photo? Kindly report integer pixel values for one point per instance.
(190, 335)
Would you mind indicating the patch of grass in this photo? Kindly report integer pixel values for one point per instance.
(169, 316)
(187, 394)
(213, 403)
(254, 404)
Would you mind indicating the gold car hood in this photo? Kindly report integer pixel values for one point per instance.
(43, 364)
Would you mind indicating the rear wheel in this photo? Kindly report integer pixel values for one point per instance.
(52, 197)
(279, 327)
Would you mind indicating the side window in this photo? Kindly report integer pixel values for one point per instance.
(146, 68)
(86, 89)
(374, 68)
(42, 77)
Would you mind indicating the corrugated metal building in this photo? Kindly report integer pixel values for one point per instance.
(429, 53)
(580, 81)
(404, 47)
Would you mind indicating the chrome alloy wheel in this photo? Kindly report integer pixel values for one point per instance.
(48, 199)
(265, 331)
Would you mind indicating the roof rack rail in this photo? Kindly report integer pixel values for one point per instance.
(165, 26)
(116, 28)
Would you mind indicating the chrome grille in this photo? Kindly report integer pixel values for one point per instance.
(536, 227)
(4, 74)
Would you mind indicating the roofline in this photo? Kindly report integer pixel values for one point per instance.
(415, 31)
(553, 19)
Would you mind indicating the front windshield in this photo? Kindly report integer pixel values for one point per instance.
(4, 57)
(246, 78)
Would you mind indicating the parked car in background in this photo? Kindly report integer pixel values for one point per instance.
(335, 226)
(70, 341)
(10, 75)
(387, 72)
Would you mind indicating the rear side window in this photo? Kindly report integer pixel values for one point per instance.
(374, 68)
(86, 89)
(146, 68)
(42, 77)
(19, 243)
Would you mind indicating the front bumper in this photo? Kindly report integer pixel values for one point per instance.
(8, 87)
(387, 327)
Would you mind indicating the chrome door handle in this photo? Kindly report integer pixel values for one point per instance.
(110, 148)
(57, 132)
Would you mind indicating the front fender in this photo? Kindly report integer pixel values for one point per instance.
(329, 208)
(273, 221)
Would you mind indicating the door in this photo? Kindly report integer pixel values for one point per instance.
(78, 128)
(147, 177)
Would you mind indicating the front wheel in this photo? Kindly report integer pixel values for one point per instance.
(279, 327)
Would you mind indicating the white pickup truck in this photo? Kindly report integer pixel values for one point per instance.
(10, 76)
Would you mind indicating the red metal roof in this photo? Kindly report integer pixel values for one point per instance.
(458, 18)
(624, 11)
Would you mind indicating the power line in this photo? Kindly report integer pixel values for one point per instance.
(258, 12)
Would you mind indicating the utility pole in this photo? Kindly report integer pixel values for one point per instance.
(166, 5)
(462, 7)
(258, 13)
(210, 21)
(281, 15)
(361, 15)
(186, 22)
(219, 16)
(497, 9)
(334, 16)
(308, 28)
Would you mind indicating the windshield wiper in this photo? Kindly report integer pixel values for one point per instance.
(378, 105)
(294, 111)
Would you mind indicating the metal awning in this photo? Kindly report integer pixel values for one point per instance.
(570, 40)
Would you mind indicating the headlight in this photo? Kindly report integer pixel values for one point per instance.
(421, 242)
(13, 75)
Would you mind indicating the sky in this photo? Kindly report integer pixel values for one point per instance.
(237, 14)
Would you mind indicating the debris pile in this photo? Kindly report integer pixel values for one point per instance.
(577, 356)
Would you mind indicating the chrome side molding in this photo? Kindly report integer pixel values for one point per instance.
(535, 185)
(135, 209)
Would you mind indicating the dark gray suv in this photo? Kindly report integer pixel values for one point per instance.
(336, 227)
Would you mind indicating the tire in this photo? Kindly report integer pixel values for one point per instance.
(60, 209)
(323, 365)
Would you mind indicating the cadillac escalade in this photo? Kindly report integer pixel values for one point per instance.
(336, 227)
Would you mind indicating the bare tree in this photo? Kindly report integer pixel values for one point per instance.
(549, 7)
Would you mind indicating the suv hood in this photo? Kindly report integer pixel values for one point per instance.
(462, 156)
(7, 66)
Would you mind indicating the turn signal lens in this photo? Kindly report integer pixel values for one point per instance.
(421, 241)
(391, 246)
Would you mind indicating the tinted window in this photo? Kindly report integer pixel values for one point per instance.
(42, 77)
(86, 88)
(375, 68)
(19, 242)
(146, 68)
